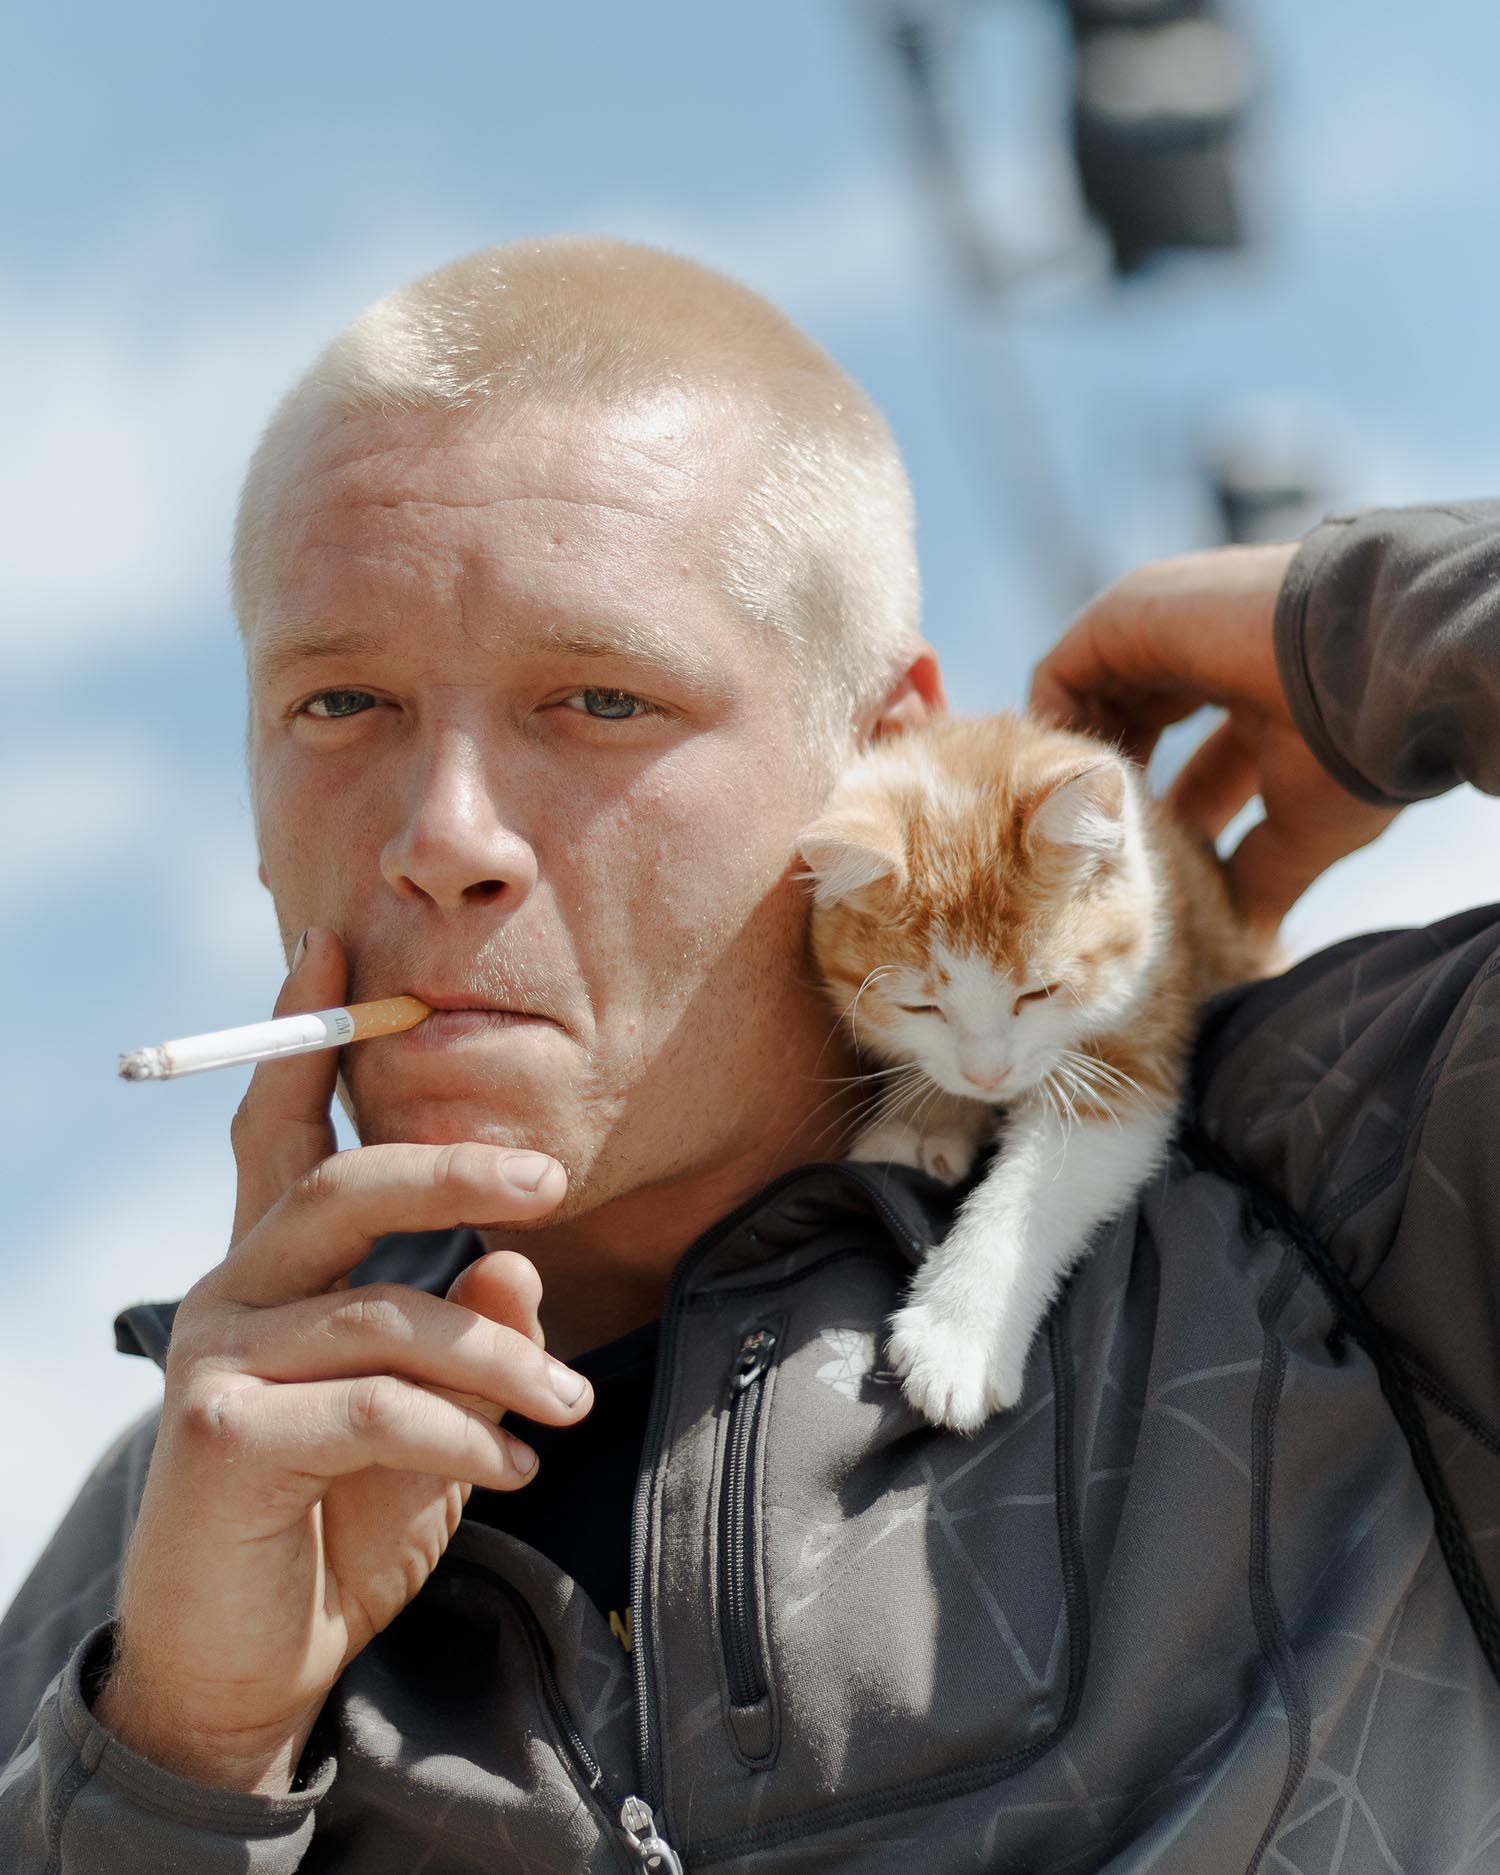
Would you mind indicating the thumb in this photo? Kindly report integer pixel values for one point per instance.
(283, 1126)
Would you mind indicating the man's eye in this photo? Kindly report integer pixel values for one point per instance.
(612, 705)
(335, 704)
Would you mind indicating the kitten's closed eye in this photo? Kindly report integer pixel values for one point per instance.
(920, 1009)
(1044, 994)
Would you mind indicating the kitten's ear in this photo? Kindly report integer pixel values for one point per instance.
(853, 847)
(1085, 809)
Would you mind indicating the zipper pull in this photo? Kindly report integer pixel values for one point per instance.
(753, 1358)
(655, 1852)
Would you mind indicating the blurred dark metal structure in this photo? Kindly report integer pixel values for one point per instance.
(1268, 468)
(1160, 90)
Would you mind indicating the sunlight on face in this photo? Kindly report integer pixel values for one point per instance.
(511, 741)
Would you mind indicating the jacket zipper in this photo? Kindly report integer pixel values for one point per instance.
(636, 1819)
(654, 1851)
(739, 1628)
(647, 1771)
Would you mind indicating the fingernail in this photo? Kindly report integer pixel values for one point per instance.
(526, 1170)
(568, 1386)
(521, 1456)
(300, 952)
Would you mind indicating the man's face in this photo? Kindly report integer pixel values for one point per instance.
(510, 740)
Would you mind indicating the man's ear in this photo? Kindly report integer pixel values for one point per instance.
(916, 696)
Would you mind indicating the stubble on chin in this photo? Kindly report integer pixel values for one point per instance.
(580, 1142)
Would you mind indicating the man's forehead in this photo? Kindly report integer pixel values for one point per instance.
(682, 444)
(588, 531)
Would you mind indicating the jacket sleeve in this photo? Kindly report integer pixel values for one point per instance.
(1363, 1086)
(73, 1799)
(1388, 645)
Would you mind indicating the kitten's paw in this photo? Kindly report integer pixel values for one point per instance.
(947, 1156)
(949, 1369)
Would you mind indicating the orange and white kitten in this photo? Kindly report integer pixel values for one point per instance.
(1001, 907)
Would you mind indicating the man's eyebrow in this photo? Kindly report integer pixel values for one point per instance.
(651, 645)
(280, 646)
(275, 648)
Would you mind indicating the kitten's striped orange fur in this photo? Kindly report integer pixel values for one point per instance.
(1000, 905)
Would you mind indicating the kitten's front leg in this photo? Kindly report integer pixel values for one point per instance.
(962, 1340)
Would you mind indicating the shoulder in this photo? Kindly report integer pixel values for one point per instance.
(1325, 1081)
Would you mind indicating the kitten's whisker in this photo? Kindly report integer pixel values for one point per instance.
(1086, 1089)
(1086, 1067)
(1066, 1113)
(851, 1012)
(1080, 1057)
(880, 1103)
(1105, 1070)
(871, 1074)
(933, 1090)
(1063, 1091)
(907, 1108)
(862, 1108)
(895, 1100)
(1103, 1073)
(885, 1101)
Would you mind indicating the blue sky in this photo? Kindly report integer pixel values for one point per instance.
(210, 195)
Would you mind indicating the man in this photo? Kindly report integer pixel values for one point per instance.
(567, 579)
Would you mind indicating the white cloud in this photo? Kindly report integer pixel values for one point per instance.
(81, 802)
(128, 437)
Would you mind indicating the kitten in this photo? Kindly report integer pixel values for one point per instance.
(1002, 907)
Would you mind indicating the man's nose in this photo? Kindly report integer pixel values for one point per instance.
(458, 845)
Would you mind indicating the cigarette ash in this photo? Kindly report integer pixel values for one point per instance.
(145, 1064)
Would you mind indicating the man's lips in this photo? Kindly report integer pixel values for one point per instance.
(469, 999)
(459, 1014)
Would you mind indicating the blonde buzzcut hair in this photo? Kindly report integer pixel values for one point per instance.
(818, 549)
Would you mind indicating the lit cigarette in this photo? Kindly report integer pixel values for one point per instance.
(269, 1041)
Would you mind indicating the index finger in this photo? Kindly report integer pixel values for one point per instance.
(1124, 669)
(327, 1222)
(1075, 687)
(1166, 639)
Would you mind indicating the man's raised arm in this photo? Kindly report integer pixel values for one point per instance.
(1357, 672)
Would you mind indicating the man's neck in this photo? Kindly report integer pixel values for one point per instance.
(606, 1271)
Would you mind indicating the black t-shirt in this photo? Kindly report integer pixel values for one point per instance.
(577, 1509)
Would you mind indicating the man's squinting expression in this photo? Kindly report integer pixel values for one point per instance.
(510, 739)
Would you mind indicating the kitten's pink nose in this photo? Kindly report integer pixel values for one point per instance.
(988, 1083)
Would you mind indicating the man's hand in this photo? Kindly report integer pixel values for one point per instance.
(1198, 629)
(318, 1442)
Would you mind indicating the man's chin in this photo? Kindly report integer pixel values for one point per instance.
(383, 1111)
(452, 1125)
(452, 1122)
